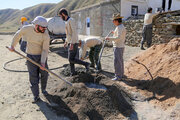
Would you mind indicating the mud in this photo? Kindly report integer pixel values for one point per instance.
(90, 103)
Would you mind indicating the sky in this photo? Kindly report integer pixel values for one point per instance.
(21, 4)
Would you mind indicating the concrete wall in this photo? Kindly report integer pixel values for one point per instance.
(100, 18)
(94, 13)
(107, 11)
(126, 7)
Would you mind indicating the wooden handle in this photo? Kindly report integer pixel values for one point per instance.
(37, 64)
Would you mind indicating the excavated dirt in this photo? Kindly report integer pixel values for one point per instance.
(163, 63)
(89, 103)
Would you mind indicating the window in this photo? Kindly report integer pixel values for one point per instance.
(134, 10)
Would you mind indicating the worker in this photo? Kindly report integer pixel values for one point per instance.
(164, 5)
(147, 29)
(118, 39)
(22, 42)
(95, 46)
(37, 38)
(72, 41)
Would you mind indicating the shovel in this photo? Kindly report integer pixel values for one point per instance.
(47, 70)
(103, 48)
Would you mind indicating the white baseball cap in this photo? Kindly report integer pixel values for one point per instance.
(40, 20)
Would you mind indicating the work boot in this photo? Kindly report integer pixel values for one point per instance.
(142, 48)
(36, 99)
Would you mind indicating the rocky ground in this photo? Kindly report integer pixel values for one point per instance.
(128, 99)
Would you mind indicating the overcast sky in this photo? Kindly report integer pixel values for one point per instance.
(21, 4)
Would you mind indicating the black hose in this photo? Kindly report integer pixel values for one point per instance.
(11, 70)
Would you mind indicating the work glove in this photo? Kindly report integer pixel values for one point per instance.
(71, 47)
(11, 48)
(42, 66)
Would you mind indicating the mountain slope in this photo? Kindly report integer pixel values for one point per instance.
(10, 18)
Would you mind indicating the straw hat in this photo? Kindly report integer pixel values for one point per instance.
(116, 16)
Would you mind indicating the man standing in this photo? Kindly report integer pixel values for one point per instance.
(118, 44)
(37, 39)
(95, 46)
(164, 5)
(147, 29)
(71, 41)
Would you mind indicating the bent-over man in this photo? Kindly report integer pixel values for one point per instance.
(95, 46)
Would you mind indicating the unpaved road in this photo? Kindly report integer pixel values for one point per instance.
(16, 96)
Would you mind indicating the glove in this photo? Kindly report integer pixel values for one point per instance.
(42, 66)
(11, 48)
(71, 47)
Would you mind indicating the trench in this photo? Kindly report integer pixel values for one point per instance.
(100, 99)
(96, 101)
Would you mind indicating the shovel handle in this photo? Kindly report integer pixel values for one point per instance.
(37, 64)
(103, 48)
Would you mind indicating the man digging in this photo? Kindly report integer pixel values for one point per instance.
(37, 39)
(95, 46)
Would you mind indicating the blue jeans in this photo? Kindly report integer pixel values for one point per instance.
(35, 73)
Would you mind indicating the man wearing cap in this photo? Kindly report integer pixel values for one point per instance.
(95, 46)
(37, 39)
(118, 40)
(71, 41)
(22, 42)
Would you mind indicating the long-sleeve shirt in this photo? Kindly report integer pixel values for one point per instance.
(71, 31)
(88, 43)
(148, 18)
(37, 43)
(119, 36)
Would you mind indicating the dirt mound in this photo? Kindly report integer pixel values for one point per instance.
(90, 103)
(163, 63)
(162, 60)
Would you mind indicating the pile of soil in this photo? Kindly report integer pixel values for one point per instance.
(85, 103)
(163, 63)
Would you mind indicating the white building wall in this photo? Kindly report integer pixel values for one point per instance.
(158, 4)
(144, 4)
(126, 7)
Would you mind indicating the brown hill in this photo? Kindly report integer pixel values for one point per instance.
(9, 18)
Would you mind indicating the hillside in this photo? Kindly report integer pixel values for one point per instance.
(9, 18)
(10, 21)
